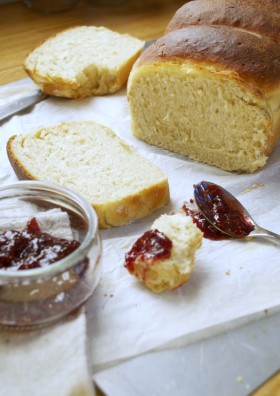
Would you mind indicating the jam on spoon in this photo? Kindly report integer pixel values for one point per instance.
(226, 213)
(222, 210)
(209, 231)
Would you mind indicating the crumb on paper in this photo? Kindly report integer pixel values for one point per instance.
(248, 386)
(228, 273)
(252, 187)
(239, 379)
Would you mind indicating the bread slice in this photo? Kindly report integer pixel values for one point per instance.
(83, 61)
(211, 93)
(90, 158)
(160, 274)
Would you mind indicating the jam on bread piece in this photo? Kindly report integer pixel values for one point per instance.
(163, 258)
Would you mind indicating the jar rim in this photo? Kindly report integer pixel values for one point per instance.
(67, 262)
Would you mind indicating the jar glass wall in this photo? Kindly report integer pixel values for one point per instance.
(33, 297)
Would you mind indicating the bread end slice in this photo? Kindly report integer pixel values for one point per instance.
(83, 61)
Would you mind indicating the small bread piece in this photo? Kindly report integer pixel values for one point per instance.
(157, 269)
(83, 61)
(90, 158)
(211, 93)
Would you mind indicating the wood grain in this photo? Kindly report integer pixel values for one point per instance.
(22, 29)
(270, 388)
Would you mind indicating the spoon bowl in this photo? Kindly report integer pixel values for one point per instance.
(227, 214)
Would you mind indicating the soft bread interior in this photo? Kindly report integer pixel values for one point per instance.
(210, 116)
(170, 273)
(121, 184)
(83, 61)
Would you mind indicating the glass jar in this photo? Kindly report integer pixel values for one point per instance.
(39, 296)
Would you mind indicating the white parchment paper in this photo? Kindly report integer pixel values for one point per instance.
(233, 281)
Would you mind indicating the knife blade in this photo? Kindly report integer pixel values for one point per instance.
(21, 103)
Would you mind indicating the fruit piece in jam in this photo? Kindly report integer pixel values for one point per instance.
(32, 248)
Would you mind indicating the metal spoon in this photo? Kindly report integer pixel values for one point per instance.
(227, 214)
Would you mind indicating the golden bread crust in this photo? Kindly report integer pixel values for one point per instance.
(254, 59)
(261, 17)
(133, 207)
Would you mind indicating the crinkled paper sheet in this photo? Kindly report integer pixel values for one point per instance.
(233, 281)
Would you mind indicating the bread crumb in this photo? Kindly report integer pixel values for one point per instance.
(252, 187)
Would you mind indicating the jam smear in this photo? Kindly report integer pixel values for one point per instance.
(31, 248)
(209, 231)
(152, 245)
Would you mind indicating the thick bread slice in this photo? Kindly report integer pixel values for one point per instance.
(83, 61)
(209, 92)
(119, 183)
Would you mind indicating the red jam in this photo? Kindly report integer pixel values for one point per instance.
(31, 248)
(224, 210)
(152, 245)
(209, 231)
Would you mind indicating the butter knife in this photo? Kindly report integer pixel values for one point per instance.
(21, 103)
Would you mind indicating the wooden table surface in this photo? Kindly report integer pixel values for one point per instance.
(22, 29)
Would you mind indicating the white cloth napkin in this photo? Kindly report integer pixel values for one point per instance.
(51, 361)
(47, 362)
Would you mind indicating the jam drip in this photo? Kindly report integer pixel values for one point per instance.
(152, 245)
(209, 231)
(31, 248)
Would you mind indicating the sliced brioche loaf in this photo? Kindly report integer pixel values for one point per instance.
(209, 92)
(160, 274)
(83, 61)
(119, 183)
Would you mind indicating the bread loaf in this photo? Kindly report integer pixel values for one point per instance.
(209, 92)
(120, 184)
(167, 271)
(83, 61)
(261, 17)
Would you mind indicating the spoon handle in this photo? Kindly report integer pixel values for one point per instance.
(261, 232)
